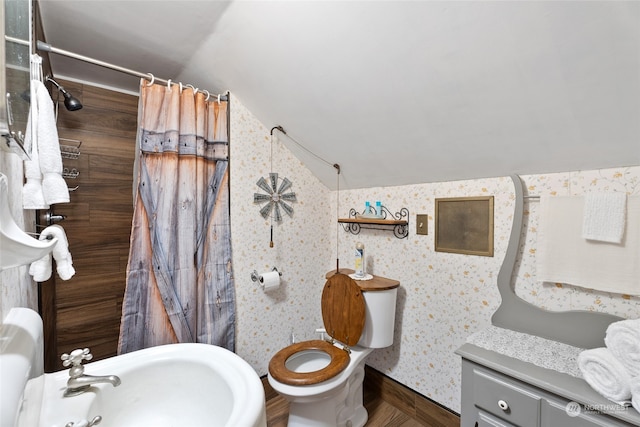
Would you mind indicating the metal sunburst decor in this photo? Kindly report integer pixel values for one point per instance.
(276, 198)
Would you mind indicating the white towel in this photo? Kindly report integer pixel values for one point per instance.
(604, 216)
(64, 263)
(623, 340)
(605, 374)
(41, 269)
(635, 392)
(32, 196)
(54, 187)
(563, 256)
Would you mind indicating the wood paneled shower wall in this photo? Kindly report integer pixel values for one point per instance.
(85, 311)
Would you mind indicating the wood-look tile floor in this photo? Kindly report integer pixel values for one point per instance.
(381, 414)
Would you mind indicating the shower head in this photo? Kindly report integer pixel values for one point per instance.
(70, 102)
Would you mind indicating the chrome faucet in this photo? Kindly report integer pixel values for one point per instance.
(78, 382)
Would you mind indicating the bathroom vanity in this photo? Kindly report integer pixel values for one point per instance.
(502, 391)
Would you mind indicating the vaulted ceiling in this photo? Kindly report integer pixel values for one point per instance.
(396, 92)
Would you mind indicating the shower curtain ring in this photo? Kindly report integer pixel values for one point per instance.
(169, 85)
(153, 79)
(208, 95)
(180, 87)
(195, 89)
(218, 99)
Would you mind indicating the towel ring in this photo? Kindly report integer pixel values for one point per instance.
(153, 79)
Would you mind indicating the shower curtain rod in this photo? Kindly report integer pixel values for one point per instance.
(48, 48)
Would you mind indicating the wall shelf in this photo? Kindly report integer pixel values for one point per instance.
(398, 225)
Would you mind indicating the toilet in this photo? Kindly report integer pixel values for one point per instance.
(322, 380)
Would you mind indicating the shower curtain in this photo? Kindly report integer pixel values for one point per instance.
(179, 275)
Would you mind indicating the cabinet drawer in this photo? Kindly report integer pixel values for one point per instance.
(505, 399)
(555, 414)
(486, 420)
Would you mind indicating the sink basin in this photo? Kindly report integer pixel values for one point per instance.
(172, 385)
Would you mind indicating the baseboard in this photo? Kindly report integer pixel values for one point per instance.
(409, 401)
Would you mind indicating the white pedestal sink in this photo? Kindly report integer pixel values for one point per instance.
(173, 385)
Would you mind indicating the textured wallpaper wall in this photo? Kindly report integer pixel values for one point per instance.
(266, 320)
(565, 297)
(443, 297)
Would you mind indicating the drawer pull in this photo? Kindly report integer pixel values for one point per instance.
(503, 405)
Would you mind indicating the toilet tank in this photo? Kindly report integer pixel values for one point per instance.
(380, 316)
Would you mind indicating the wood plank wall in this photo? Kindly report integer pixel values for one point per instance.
(85, 311)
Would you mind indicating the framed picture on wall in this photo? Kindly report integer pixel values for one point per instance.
(464, 225)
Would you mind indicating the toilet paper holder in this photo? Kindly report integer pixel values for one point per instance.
(255, 276)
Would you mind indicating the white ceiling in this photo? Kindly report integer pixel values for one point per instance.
(396, 92)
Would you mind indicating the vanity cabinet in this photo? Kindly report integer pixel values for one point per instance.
(499, 391)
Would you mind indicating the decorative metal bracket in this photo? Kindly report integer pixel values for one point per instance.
(399, 223)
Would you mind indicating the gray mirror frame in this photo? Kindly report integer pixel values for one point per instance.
(579, 328)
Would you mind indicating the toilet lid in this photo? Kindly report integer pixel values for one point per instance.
(343, 309)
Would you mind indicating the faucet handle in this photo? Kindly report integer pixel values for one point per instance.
(85, 423)
(76, 357)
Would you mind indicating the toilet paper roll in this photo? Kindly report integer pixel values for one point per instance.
(270, 280)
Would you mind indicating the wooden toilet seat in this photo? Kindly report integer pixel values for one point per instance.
(280, 372)
(343, 315)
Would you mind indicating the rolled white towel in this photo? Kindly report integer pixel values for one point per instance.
(64, 263)
(605, 374)
(623, 340)
(41, 269)
(635, 392)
